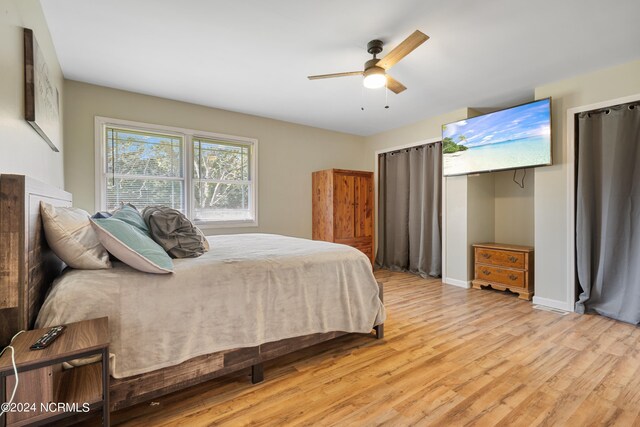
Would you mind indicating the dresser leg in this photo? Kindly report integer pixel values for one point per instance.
(525, 295)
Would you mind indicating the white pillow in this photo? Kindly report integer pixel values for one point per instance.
(70, 235)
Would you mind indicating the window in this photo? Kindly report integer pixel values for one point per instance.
(209, 177)
(143, 169)
(222, 181)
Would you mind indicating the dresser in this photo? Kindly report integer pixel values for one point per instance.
(342, 208)
(504, 267)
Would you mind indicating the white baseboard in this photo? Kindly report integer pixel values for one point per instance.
(456, 282)
(560, 305)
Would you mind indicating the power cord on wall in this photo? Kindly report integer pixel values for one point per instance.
(520, 184)
(15, 372)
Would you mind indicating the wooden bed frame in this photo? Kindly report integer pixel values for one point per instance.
(28, 267)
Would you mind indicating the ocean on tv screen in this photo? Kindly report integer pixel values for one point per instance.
(509, 139)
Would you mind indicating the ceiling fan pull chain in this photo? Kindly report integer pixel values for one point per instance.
(362, 98)
(386, 95)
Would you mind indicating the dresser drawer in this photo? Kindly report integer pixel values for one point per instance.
(503, 258)
(500, 275)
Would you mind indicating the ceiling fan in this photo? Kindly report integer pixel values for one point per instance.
(375, 70)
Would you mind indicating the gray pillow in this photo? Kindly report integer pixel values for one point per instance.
(172, 230)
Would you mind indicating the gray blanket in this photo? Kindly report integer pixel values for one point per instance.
(247, 290)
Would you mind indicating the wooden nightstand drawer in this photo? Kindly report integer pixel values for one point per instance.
(504, 267)
(500, 275)
(503, 258)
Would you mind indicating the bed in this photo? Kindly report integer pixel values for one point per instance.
(294, 293)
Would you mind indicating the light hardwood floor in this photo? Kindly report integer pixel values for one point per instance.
(451, 356)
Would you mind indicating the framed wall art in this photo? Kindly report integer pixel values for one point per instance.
(42, 100)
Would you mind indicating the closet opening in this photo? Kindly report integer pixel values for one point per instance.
(410, 209)
(606, 211)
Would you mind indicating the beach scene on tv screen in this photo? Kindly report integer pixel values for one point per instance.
(515, 138)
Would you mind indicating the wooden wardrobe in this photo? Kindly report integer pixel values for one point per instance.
(343, 206)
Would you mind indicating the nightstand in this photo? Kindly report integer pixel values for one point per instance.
(46, 392)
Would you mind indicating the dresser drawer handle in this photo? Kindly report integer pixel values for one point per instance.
(512, 258)
(486, 272)
(513, 277)
(485, 255)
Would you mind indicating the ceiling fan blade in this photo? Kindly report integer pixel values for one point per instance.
(403, 49)
(394, 86)
(329, 76)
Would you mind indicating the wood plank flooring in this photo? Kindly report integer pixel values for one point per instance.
(450, 356)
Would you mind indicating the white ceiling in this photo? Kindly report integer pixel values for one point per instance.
(253, 56)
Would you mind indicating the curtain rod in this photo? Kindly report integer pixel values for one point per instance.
(606, 110)
(408, 148)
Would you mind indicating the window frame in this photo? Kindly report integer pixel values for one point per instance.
(188, 135)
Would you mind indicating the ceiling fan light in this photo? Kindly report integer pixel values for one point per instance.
(374, 78)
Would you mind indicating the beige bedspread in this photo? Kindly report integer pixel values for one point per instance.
(247, 290)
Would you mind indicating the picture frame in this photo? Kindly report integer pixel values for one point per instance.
(42, 100)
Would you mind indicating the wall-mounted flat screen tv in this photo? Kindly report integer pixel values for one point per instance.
(514, 138)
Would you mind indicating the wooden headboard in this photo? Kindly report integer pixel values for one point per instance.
(27, 265)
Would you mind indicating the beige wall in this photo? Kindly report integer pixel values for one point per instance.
(22, 150)
(480, 216)
(430, 127)
(514, 213)
(455, 239)
(551, 211)
(287, 152)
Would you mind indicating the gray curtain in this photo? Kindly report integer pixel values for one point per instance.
(608, 212)
(409, 219)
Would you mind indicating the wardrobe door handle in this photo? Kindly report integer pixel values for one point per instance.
(513, 277)
(513, 259)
